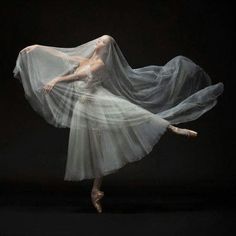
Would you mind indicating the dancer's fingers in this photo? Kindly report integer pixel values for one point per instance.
(45, 90)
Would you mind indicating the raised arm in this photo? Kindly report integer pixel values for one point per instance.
(52, 51)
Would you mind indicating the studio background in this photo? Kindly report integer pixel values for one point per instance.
(33, 153)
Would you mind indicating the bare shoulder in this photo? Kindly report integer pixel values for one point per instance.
(97, 62)
(100, 62)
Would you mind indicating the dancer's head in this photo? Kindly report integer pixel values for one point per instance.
(102, 45)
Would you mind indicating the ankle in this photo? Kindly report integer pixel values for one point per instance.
(94, 190)
(173, 128)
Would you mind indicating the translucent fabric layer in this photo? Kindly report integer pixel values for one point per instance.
(115, 114)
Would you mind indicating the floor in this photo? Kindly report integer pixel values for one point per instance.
(126, 212)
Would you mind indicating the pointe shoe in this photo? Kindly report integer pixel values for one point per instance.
(185, 132)
(96, 197)
(191, 134)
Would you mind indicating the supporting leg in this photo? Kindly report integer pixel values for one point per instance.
(96, 194)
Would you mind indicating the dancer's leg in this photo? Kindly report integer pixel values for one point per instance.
(186, 132)
(97, 183)
(96, 194)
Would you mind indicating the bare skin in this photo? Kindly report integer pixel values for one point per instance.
(96, 63)
(78, 74)
(186, 132)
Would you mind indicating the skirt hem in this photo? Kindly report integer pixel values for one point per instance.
(112, 171)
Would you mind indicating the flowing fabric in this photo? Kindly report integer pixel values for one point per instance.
(116, 114)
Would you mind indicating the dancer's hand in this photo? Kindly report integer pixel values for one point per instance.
(49, 86)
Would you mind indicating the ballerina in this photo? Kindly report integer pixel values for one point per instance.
(96, 64)
(123, 102)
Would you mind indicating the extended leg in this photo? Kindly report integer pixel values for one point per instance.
(96, 194)
(185, 132)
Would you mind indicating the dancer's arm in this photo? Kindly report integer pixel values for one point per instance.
(75, 76)
(81, 74)
(62, 55)
(52, 51)
(48, 87)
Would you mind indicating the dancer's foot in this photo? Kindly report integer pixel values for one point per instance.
(96, 196)
(186, 132)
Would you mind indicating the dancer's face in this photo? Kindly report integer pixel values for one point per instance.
(102, 45)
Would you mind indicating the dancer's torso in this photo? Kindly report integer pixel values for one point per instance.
(84, 63)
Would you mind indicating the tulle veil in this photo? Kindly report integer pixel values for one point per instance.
(115, 115)
(179, 91)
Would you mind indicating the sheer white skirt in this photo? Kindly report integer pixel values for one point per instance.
(94, 151)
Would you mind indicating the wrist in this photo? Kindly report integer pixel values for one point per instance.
(57, 79)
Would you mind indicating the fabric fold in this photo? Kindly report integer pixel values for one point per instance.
(115, 114)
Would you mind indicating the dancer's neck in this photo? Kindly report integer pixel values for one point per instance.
(95, 57)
